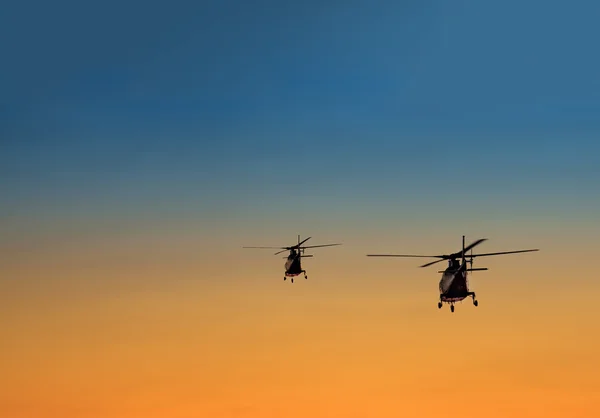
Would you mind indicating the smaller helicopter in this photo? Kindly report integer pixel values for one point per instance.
(453, 284)
(293, 266)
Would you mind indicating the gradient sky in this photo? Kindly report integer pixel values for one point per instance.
(143, 143)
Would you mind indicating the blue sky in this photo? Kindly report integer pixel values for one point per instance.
(134, 105)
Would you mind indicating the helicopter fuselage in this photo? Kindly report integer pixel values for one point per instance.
(453, 284)
(293, 266)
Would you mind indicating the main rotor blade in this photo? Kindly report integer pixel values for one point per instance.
(323, 245)
(479, 241)
(282, 251)
(441, 257)
(406, 255)
(458, 254)
(271, 248)
(502, 252)
(300, 243)
(432, 263)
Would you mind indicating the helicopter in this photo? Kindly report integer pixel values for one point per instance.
(453, 285)
(293, 266)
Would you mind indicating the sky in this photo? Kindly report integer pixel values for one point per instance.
(142, 144)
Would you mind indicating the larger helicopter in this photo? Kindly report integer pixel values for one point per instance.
(454, 286)
(293, 265)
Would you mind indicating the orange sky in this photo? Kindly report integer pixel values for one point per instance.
(125, 333)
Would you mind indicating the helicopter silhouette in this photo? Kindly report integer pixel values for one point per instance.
(454, 286)
(293, 265)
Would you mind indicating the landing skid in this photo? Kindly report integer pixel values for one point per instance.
(292, 278)
(451, 303)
